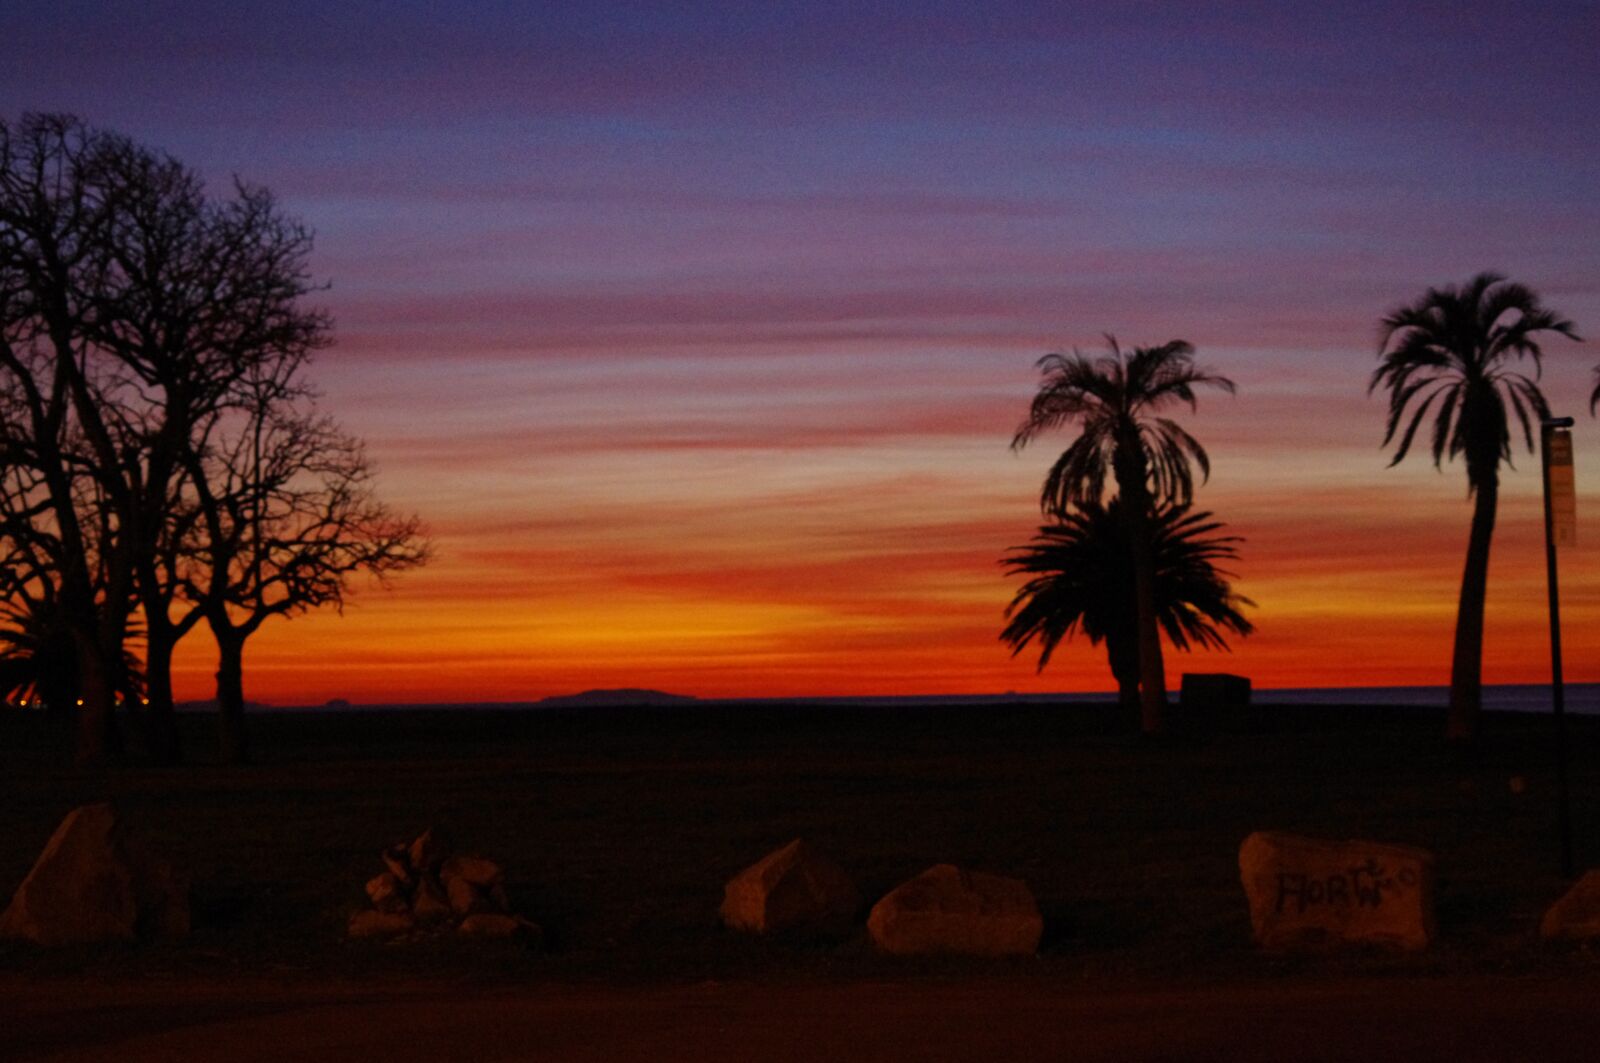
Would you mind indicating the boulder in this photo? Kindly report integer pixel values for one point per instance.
(370, 923)
(792, 888)
(386, 893)
(430, 904)
(1576, 915)
(397, 858)
(496, 925)
(499, 900)
(465, 898)
(473, 869)
(947, 909)
(1310, 893)
(96, 881)
(427, 852)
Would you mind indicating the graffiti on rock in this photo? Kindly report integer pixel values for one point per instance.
(1362, 886)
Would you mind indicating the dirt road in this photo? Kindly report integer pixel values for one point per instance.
(1381, 1021)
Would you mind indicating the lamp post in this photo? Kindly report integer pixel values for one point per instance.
(1560, 521)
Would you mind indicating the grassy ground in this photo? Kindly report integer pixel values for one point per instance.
(619, 827)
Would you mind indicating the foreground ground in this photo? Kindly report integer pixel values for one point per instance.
(1462, 1021)
(619, 827)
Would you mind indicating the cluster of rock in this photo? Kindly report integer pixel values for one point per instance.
(97, 880)
(1303, 893)
(943, 910)
(424, 887)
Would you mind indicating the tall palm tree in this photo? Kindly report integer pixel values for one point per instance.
(1082, 580)
(1455, 352)
(1115, 401)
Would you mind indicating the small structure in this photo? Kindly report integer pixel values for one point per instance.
(95, 881)
(794, 888)
(1213, 701)
(949, 910)
(1309, 893)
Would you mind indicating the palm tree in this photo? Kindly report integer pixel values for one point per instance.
(1454, 352)
(38, 664)
(1114, 399)
(1082, 580)
(39, 659)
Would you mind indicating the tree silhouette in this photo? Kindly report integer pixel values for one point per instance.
(1454, 352)
(287, 517)
(54, 221)
(1082, 579)
(210, 304)
(131, 306)
(1115, 400)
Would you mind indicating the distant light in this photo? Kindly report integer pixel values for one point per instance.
(80, 701)
(144, 701)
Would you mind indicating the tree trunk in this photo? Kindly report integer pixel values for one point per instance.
(1136, 505)
(96, 694)
(160, 716)
(1123, 657)
(233, 745)
(61, 719)
(1466, 667)
(1128, 696)
(1152, 668)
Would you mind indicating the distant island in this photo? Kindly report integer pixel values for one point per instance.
(620, 697)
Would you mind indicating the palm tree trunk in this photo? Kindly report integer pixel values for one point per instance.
(1123, 657)
(1466, 668)
(1131, 473)
(1152, 668)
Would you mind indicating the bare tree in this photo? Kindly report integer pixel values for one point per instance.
(288, 519)
(132, 309)
(53, 221)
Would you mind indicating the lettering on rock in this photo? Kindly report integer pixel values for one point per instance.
(1362, 886)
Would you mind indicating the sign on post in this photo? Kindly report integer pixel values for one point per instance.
(1562, 487)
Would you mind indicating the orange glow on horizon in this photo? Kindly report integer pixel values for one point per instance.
(880, 589)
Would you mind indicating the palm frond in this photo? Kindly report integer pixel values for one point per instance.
(1458, 343)
(1114, 399)
(1082, 580)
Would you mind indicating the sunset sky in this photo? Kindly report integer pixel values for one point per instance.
(696, 334)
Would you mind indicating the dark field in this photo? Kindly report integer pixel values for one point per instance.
(619, 827)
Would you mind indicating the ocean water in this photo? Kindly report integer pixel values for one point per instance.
(1581, 698)
(1511, 697)
(1530, 697)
